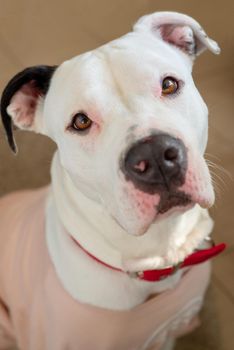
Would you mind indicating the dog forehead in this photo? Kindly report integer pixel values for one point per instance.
(129, 62)
(116, 80)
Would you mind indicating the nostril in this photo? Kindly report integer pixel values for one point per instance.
(141, 167)
(171, 154)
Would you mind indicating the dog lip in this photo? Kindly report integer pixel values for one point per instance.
(173, 199)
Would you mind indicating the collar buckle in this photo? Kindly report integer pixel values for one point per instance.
(135, 274)
(176, 267)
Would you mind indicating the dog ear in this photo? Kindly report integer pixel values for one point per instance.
(21, 98)
(179, 30)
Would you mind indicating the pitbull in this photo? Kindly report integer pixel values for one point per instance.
(114, 253)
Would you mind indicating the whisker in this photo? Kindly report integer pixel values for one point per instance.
(219, 174)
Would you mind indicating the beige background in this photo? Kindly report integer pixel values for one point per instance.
(35, 31)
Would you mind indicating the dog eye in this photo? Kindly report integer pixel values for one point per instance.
(169, 86)
(81, 122)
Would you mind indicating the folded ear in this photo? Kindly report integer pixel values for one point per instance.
(179, 30)
(21, 97)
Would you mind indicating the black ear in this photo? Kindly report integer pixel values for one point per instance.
(20, 98)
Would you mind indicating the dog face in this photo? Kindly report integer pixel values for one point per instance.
(129, 123)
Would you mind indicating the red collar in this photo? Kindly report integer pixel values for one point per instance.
(198, 257)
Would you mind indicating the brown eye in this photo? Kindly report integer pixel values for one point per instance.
(169, 86)
(81, 121)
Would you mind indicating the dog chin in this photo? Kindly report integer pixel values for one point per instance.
(174, 210)
(164, 206)
(141, 229)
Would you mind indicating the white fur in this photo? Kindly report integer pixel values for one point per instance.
(119, 86)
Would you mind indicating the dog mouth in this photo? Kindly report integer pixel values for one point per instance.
(169, 200)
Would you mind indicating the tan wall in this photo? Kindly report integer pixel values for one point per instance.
(34, 32)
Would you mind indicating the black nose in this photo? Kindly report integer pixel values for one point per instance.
(156, 162)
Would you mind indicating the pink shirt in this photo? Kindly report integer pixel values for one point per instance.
(37, 313)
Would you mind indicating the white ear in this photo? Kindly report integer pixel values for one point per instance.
(179, 30)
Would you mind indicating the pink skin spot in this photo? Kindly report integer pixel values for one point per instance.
(197, 182)
(158, 91)
(141, 166)
(95, 115)
(143, 203)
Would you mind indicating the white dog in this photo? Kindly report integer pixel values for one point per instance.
(126, 211)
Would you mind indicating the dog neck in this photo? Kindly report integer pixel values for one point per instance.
(166, 242)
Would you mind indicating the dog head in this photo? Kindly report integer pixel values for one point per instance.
(129, 123)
